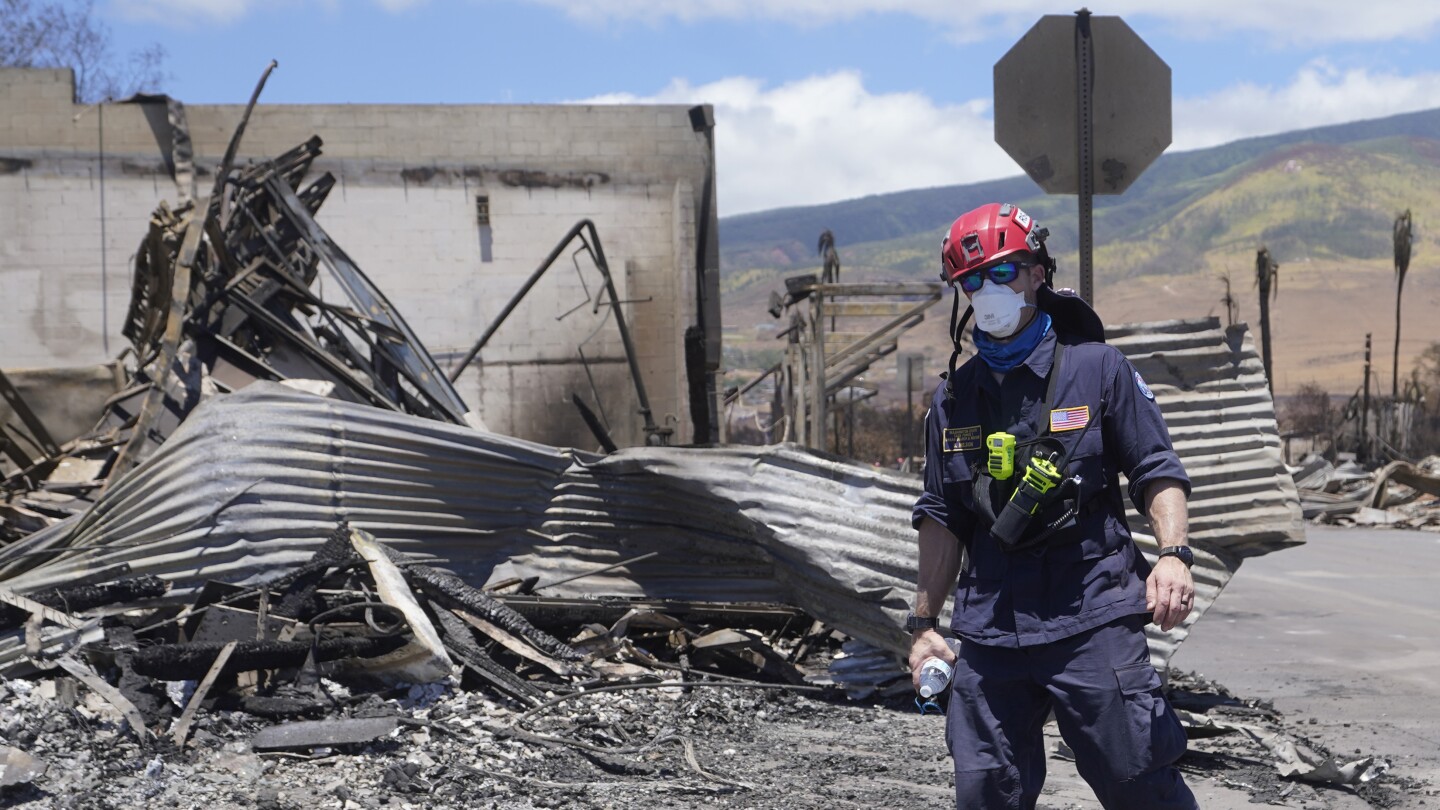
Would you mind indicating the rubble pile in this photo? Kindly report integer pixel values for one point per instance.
(362, 648)
(222, 296)
(1399, 495)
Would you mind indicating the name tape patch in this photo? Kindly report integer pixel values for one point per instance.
(962, 438)
(1063, 419)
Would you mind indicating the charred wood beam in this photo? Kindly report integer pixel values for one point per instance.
(292, 165)
(518, 646)
(556, 612)
(85, 597)
(452, 592)
(11, 448)
(460, 643)
(299, 599)
(102, 687)
(193, 661)
(182, 726)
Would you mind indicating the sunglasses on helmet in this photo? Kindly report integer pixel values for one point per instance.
(998, 273)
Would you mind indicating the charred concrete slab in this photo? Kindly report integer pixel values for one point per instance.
(18, 767)
(303, 734)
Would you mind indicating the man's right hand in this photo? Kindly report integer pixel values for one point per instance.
(927, 644)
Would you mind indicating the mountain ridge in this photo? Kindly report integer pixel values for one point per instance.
(1164, 189)
(1322, 200)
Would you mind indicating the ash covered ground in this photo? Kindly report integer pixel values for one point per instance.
(755, 747)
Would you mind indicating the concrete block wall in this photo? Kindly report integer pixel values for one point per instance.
(72, 214)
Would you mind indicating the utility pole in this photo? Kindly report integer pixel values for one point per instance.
(909, 405)
(1085, 141)
(1365, 407)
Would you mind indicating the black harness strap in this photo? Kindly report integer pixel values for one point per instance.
(1050, 386)
(984, 484)
(956, 329)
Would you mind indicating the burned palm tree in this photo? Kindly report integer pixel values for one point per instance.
(1267, 278)
(1404, 237)
(831, 272)
(1232, 305)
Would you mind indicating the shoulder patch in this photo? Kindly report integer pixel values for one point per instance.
(1064, 419)
(1144, 389)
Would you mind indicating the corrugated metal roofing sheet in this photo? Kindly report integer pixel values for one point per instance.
(1210, 384)
(252, 482)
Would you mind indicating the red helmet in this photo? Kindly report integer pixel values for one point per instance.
(987, 235)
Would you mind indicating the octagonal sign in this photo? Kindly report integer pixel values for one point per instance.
(1036, 107)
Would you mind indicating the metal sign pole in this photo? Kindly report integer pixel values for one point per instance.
(1084, 80)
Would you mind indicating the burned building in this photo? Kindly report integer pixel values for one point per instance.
(448, 208)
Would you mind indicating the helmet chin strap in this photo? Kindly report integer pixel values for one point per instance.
(957, 327)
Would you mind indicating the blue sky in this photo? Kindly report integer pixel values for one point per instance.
(816, 100)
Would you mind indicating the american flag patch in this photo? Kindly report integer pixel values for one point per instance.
(1069, 418)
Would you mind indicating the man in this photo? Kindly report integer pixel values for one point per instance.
(1053, 599)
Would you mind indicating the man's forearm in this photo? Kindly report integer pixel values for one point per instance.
(938, 567)
(1169, 516)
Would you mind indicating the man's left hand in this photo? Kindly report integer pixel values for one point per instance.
(1169, 592)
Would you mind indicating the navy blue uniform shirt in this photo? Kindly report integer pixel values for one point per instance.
(1083, 576)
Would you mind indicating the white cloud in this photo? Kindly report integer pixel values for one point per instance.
(1318, 95)
(826, 138)
(184, 12)
(1284, 21)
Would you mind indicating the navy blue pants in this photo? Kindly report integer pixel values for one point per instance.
(1107, 701)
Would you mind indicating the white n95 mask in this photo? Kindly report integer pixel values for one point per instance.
(997, 309)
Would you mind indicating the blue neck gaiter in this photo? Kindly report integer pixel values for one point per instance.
(1004, 356)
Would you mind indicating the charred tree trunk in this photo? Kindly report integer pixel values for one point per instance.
(1266, 277)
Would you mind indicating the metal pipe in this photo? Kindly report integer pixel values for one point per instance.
(516, 298)
(1084, 122)
(597, 252)
(652, 431)
(610, 567)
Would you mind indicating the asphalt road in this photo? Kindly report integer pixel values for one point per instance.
(1343, 631)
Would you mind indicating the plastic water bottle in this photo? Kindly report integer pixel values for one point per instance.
(934, 677)
(935, 674)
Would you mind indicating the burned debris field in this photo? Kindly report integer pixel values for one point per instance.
(288, 568)
(655, 708)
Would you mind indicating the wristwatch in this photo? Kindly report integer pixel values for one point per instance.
(914, 623)
(1183, 552)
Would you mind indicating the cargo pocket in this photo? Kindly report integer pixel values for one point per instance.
(1157, 737)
